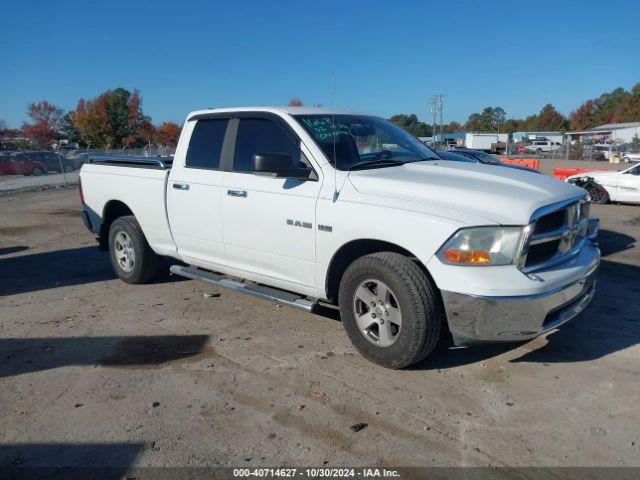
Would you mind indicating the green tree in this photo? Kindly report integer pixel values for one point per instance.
(412, 125)
(67, 129)
(510, 125)
(549, 119)
(488, 121)
(454, 127)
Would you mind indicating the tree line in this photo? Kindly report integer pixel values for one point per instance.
(618, 106)
(113, 119)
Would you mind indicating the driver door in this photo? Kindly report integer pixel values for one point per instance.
(269, 223)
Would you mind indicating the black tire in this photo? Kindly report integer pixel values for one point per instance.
(598, 193)
(539, 151)
(417, 298)
(36, 172)
(626, 160)
(146, 261)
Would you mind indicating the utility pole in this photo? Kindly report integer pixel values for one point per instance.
(440, 97)
(438, 108)
(434, 110)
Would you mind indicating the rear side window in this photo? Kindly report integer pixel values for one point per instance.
(261, 135)
(205, 145)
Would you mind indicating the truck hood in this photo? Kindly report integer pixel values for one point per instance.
(501, 195)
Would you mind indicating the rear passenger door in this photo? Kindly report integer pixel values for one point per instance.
(194, 194)
(269, 223)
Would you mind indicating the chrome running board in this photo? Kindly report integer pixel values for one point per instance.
(288, 298)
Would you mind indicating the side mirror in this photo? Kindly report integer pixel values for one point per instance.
(279, 165)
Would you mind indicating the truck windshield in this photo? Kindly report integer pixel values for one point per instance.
(361, 141)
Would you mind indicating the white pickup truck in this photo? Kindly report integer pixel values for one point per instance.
(305, 206)
(543, 146)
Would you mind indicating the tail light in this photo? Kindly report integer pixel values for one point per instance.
(80, 190)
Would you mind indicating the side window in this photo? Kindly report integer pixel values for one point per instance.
(261, 135)
(205, 145)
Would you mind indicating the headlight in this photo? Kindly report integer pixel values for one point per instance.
(482, 246)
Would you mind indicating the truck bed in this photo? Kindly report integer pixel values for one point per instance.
(137, 182)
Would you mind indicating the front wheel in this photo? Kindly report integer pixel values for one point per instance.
(390, 309)
(131, 256)
(597, 193)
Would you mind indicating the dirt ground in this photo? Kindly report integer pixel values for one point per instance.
(179, 373)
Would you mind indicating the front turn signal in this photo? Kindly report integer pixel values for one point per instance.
(453, 255)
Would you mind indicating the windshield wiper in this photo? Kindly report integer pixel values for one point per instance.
(376, 163)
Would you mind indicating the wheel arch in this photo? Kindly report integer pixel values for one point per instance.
(112, 210)
(355, 249)
(607, 188)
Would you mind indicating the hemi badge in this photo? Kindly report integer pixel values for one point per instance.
(325, 228)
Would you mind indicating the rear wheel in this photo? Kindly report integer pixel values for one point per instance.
(390, 309)
(539, 151)
(131, 256)
(36, 172)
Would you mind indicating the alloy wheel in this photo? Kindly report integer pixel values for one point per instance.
(377, 312)
(124, 251)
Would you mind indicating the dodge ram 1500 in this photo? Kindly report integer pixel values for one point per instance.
(306, 205)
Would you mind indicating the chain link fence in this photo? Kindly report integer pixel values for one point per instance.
(24, 170)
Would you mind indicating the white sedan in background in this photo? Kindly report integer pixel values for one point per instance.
(619, 186)
(628, 157)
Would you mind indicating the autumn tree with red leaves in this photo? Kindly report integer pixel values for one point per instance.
(46, 119)
(295, 102)
(618, 106)
(113, 119)
(168, 134)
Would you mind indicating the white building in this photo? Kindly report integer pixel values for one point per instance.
(618, 133)
(621, 132)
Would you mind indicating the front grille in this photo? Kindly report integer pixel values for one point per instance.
(552, 221)
(542, 252)
(556, 234)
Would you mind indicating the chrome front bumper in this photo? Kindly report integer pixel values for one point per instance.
(477, 319)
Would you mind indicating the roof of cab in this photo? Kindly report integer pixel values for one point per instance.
(276, 110)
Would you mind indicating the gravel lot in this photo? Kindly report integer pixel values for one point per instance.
(180, 373)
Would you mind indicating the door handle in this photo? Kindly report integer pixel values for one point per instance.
(237, 193)
(181, 186)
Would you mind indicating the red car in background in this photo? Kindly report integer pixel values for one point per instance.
(19, 164)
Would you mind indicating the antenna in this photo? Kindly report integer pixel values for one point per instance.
(333, 133)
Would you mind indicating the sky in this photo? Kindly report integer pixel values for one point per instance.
(388, 57)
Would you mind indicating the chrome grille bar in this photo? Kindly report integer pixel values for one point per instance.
(569, 237)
